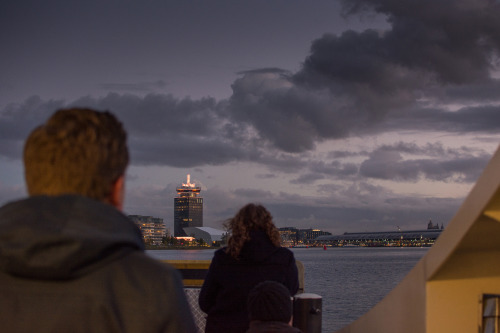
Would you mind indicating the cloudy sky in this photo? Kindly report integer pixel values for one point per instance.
(356, 115)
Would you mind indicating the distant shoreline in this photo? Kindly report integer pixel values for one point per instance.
(181, 248)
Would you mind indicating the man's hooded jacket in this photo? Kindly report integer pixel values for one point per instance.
(73, 264)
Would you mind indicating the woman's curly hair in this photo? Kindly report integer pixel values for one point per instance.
(249, 218)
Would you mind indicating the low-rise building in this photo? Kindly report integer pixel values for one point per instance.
(211, 236)
(152, 228)
(289, 236)
(292, 236)
(307, 235)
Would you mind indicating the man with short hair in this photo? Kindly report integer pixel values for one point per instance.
(70, 261)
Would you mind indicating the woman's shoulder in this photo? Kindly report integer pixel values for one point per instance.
(221, 255)
(222, 252)
(285, 251)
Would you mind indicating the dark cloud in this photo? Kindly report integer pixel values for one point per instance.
(351, 83)
(283, 162)
(318, 169)
(359, 82)
(453, 40)
(266, 176)
(334, 168)
(18, 120)
(269, 70)
(156, 114)
(184, 151)
(267, 102)
(436, 149)
(253, 194)
(333, 217)
(401, 162)
(443, 165)
(135, 87)
(356, 193)
(484, 119)
(345, 153)
(308, 178)
(485, 91)
(163, 130)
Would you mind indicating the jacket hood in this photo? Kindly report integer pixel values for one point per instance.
(62, 237)
(258, 248)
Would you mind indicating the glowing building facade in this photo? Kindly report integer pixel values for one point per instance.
(152, 228)
(188, 208)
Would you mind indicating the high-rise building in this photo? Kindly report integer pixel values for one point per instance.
(188, 208)
(152, 228)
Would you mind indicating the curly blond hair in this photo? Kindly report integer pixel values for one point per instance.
(249, 218)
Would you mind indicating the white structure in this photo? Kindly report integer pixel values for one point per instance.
(455, 287)
(188, 183)
(208, 234)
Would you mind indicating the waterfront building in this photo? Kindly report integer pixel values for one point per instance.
(383, 238)
(430, 225)
(307, 235)
(188, 208)
(152, 228)
(289, 236)
(292, 236)
(211, 236)
(185, 240)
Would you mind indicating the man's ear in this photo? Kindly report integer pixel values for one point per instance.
(117, 196)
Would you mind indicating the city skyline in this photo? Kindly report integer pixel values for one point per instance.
(338, 115)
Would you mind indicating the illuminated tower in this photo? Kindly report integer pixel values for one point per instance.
(188, 208)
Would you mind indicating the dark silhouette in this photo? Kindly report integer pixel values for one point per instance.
(253, 255)
(70, 261)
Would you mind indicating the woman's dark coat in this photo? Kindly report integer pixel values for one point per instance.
(227, 284)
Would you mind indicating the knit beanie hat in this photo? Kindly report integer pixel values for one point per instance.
(270, 301)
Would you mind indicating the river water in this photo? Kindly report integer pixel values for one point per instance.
(350, 280)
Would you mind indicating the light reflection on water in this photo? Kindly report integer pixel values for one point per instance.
(350, 280)
(181, 254)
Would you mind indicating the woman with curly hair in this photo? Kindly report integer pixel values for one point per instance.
(253, 255)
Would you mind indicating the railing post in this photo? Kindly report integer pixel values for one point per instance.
(307, 312)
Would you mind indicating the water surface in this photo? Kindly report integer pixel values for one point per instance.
(350, 280)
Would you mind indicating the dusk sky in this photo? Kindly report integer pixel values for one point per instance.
(346, 116)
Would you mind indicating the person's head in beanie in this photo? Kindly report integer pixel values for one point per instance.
(270, 301)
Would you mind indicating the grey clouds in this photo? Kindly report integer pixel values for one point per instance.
(425, 69)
